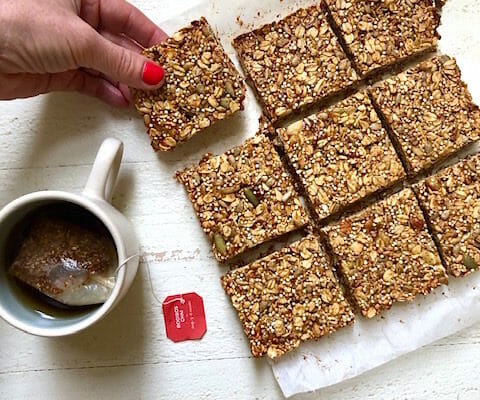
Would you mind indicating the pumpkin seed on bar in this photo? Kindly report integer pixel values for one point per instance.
(251, 197)
(220, 244)
(469, 262)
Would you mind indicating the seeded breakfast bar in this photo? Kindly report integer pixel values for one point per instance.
(452, 202)
(244, 197)
(381, 33)
(341, 154)
(294, 62)
(288, 297)
(201, 87)
(430, 112)
(385, 254)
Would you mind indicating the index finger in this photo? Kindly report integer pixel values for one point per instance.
(119, 16)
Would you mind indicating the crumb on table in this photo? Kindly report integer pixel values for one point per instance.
(288, 297)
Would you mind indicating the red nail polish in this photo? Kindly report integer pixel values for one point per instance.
(152, 73)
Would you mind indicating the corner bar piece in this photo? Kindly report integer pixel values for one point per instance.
(294, 62)
(288, 297)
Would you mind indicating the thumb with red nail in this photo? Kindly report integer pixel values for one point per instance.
(153, 74)
(89, 46)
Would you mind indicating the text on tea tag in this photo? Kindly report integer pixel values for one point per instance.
(184, 316)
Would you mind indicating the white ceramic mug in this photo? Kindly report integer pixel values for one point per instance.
(95, 199)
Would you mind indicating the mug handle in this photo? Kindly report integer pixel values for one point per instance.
(102, 179)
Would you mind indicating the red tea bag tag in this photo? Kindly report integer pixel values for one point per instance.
(184, 316)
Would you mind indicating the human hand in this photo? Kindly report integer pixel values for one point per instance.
(89, 46)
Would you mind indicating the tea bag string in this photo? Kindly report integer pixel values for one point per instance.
(127, 260)
(150, 280)
(173, 300)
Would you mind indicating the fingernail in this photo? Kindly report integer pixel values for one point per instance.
(152, 73)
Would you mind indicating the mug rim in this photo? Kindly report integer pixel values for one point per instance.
(89, 204)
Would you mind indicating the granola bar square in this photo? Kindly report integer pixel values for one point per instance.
(452, 202)
(244, 197)
(430, 112)
(378, 34)
(201, 87)
(288, 297)
(385, 254)
(294, 62)
(341, 155)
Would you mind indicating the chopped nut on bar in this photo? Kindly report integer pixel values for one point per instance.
(294, 62)
(430, 112)
(385, 254)
(288, 297)
(452, 202)
(244, 197)
(381, 33)
(341, 154)
(201, 87)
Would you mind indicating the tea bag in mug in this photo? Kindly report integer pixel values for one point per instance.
(70, 262)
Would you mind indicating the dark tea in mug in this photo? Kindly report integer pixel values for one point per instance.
(61, 260)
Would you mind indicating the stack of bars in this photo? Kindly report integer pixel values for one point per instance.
(382, 226)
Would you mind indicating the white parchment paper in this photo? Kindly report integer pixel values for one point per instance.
(406, 327)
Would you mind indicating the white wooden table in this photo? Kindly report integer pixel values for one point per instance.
(49, 143)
